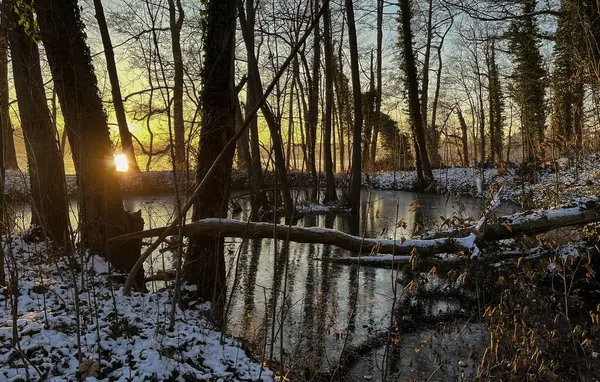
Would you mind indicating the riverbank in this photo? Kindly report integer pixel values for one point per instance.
(558, 183)
(101, 334)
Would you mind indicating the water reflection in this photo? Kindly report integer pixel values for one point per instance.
(308, 311)
(292, 308)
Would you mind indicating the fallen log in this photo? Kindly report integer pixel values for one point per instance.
(234, 228)
(577, 212)
(383, 261)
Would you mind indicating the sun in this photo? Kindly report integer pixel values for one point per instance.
(121, 162)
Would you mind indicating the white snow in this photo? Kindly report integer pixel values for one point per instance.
(126, 336)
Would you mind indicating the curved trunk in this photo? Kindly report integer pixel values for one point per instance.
(45, 164)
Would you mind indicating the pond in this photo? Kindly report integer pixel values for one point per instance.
(304, 313)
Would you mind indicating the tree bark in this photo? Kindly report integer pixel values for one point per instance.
(313, 109)
(101, 212)
(204, 260)
(115, 87)
(176, 16)
(8, 146)
(413, 93)
(355, 183)
(330, 192)
(45, 163)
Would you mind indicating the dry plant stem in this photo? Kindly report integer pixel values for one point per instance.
(14, 293)
(222, 156)
(76, 301)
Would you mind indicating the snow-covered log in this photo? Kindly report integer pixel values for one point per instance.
(576, 212)
(384, 261)
(235, 228)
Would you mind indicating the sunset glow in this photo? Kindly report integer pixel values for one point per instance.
(121, 162)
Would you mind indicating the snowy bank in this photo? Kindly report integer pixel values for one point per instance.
(123, 338)
(563, 180)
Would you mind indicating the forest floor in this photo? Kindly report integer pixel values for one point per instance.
(120, 338)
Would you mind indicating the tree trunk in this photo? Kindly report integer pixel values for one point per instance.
(434, 133)
(176, 16)
(355, 184)
(413, 93)
(45, 163)
(342, 102)
(205, 261)
(313, 109)
(290, 147)
(274, 128)
(425, 85)
(330, 192)
(101, 212)
(368, 101)
(377, 123)
(8, 147)
(243, 146)
(464, 137)
(255, 171)
(115, 87)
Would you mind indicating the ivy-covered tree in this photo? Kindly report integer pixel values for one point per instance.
(205, 259)
(496, 102)
(424, 173)
(530, 78)
(568, 79)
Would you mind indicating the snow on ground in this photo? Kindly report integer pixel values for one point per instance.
(555, 183)
(318, 208)
(560, 183)
(122, 338)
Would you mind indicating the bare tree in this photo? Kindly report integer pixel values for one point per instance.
(377, 124)
(330, 192)
(355, 183)
(176, 16)
(274, 127)
(115, 87)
